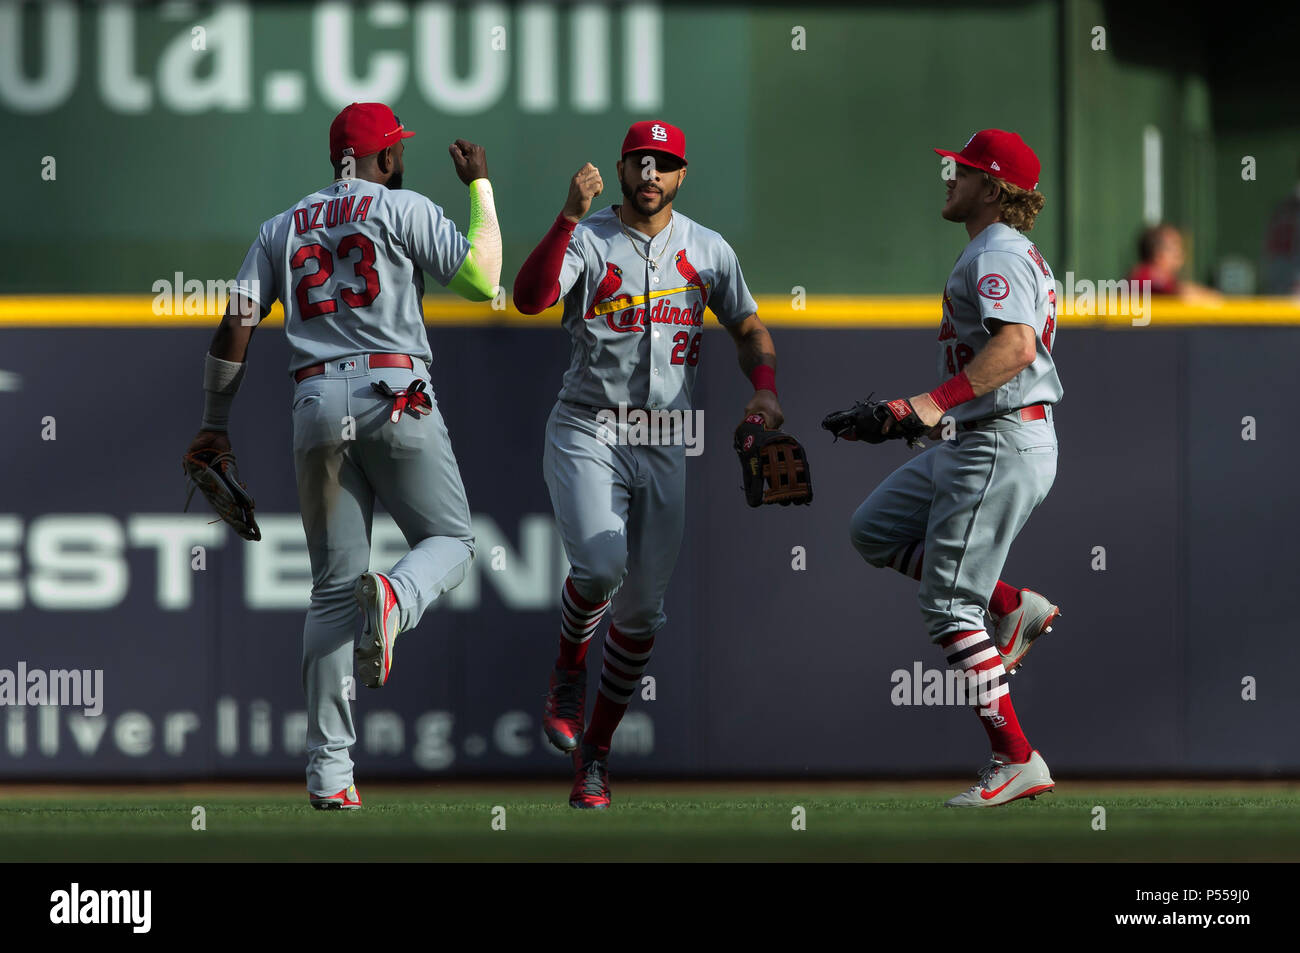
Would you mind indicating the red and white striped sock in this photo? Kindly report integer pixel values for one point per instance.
(579, 618)
(625, 662)
(974, 652)
(908, 560)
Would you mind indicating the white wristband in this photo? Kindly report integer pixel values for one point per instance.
(221, 380)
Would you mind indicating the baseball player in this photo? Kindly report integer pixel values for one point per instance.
(948, 516)
(635, 279)
(348, 263)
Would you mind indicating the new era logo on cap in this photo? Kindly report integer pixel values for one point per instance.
(1002, 153)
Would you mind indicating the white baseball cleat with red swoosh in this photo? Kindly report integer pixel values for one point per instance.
(1016, 631)
(379, 610)
(1001, 783)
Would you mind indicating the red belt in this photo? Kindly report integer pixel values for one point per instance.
(1036, 412)
(1032, 412)
(376, 360)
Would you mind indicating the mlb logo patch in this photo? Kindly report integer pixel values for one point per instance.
(347, 365)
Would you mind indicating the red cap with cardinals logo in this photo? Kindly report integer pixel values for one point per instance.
(657, 136)
(999, 153)
(363, 129)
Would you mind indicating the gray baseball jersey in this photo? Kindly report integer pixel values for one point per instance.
(636, 327)
(949, 515)
(1000, 276)
(348, 262)
(636, 324)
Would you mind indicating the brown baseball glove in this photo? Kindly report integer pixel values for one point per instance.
(773, 464)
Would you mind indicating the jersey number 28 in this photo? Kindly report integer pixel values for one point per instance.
(363, 268)
(686, 348)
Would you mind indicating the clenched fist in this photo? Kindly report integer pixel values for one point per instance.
(470, 160)
(586, 185)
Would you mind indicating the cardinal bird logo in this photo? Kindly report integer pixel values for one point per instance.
(612, 281)
(687, 271)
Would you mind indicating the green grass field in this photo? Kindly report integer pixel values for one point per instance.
(652, 822)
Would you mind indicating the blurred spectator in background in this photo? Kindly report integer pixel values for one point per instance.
(1280, 268)
(1160, 261)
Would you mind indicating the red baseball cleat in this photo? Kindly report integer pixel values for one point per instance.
(346, 800)
(591, 781)
(566, 704)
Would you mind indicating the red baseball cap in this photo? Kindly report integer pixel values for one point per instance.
(1003, 154)
(363, 129)
(657, 136)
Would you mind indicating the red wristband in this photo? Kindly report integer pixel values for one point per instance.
(763, 377)
(954, 391)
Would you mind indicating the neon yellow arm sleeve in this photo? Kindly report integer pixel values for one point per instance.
(480, 273)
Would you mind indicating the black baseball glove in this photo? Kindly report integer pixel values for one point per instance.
(773, 465)
(866, 420)
(215, 475)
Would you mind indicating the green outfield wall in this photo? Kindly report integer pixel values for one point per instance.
(146, 140)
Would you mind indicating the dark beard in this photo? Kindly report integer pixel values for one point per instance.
(629, 193)
(394, 181)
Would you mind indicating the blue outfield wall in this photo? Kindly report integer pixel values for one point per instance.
(763, 668)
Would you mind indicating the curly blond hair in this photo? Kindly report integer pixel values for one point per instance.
(1019, 206)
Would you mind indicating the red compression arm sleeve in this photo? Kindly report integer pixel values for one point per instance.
(537, 286)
